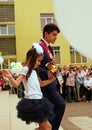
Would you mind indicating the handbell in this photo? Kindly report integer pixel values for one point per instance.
(51, 67)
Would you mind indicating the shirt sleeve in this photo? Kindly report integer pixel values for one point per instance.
(24, 71)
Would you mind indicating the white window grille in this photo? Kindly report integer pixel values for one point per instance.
(10, 0)
(7, 30)
(47, 18)
(76, 57)
(57, 54)
(3, 0)
(6, 0)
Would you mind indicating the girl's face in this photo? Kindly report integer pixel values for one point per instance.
(38, 61)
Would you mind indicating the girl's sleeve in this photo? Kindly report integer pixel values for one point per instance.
(24, 71)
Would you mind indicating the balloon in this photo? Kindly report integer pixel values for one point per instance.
(18, 65)
(12, 64)
(13, 70)
(1, 60)
(15, 67)
(74, 18)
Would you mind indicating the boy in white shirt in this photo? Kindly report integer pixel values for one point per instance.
(87, 85)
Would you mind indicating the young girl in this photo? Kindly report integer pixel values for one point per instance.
(33, 107)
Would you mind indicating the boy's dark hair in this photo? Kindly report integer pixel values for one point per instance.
(50, 28)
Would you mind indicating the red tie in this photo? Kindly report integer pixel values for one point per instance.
(50, 49)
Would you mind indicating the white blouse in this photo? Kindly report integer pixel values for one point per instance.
(87, 83)
(32, 85)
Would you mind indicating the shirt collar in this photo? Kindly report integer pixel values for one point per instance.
(46, 42)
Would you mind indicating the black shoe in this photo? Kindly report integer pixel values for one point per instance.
(77, 100)
(69, 101)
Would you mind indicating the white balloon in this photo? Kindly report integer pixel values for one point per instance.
(13, 70)
(12, 64)
(1, 60)
(74, 18)
(15, 67)
(18, 62)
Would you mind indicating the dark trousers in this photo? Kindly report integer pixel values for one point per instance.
(73, 90)
(88, 95)
(59, 106)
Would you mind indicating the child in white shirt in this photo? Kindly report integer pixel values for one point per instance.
(87, 85)
(33, 107)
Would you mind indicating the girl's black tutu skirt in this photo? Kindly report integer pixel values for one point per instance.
(35, 110)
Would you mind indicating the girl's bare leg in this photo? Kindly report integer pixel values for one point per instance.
(45, 126)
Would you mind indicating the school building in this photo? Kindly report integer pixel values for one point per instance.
(21, 24)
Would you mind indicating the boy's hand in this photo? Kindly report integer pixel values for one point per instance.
(50, 75)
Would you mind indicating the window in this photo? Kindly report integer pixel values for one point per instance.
(7, 29)
(47, 18)
(3, 0)
(10, 0)
(7, 32)
(8, 46)
(56, 51)
(6, 0)
(76, 57)
(7, 13)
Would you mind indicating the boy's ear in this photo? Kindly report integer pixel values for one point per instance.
(46, 33)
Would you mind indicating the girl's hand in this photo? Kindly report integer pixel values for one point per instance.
(7, 73)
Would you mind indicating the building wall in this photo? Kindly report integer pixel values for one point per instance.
(7, 32)
(28, 27)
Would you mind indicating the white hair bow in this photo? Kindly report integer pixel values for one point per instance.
(38, 48)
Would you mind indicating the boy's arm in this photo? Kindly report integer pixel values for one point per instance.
(43, 83)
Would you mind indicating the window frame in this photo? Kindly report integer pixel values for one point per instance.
(45, 16)
(7, 30)
(57, 50)
(74, 52)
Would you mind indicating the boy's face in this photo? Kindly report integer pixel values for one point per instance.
(51, 37)
(87, 77)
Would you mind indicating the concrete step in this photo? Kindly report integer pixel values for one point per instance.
(4, 110)
(15, 123)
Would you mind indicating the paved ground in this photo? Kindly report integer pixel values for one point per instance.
(78, 116)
